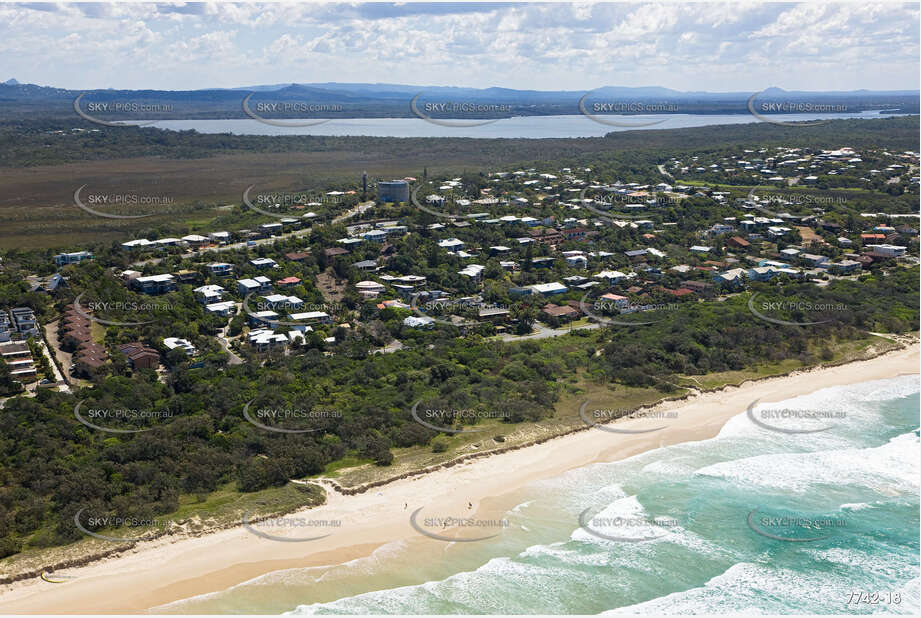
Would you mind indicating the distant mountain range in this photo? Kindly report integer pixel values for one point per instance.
(349, 100)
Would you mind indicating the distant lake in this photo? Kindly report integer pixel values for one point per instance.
(516, 127)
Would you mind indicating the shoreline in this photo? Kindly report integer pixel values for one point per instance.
(154, 574)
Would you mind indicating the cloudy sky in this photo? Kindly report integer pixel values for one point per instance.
(716, 47)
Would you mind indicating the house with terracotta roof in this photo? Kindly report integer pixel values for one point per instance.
(140, 356)
(738, 241)
(288, 282)
(562, 312)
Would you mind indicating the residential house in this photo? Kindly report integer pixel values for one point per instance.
(885, 251)
(220, 269)
(845, 267)
(734, 277)
(738, 242)
(611, 276)
(617, 300)
(196, 240)
(185, 345)
(209, 294)
(549, 289)
(225, 309)
(577, 261)
(263, 263)
(369, 289)
(288, 282)
(560, 312)
(815, 261)
(154, 284)
(451, 244)
(140, 356)
(257, 285)
(300, 256)
(310, 317)
(493, 314)
(419, 322)
(63, 259)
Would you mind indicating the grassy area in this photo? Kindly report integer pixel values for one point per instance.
(842, 352)
(222, 508)
(564, 420)
(352, 472)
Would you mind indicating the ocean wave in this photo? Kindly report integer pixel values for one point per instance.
(890, 470)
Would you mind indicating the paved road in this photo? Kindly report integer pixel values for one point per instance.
(46, 350)
(225, 343)
(543, 332)
(359, 209)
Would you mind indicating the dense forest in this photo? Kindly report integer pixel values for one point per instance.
(52, 465)
(34, 141)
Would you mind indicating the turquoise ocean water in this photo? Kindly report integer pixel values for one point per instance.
(834, 530)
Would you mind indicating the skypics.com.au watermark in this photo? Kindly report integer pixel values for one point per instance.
(118, 113)
(443, 419)
(436, 527)
(90, 523)
(465, 309)
(286, 113)
(122, 205)
(275, 528)
(794, 528)
(286, 204)
(614, 113)
(602, 418)
(772, 110)
(803, 199)
(81, 307)
(604, 205)
(288, 420)
(627, 528)
(458, 114)
(595, 308)
(118, 420)
(762, 198)
(268, 311)
(448, 202)
(792, 421)
(767, 310)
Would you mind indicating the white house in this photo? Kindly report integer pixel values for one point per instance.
(264, 262)
(226, 309)
(451, 244)
(256, 284)
(472, 270)
(612, 276)
(136, 244)
(577, 261)
(63, 259)
(310, 317)
(369, 289)
(195, 240)
(418, 322)
(185, 345)
(549, 289)
(887, 250)
(209, 293)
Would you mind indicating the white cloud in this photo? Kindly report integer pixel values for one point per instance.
(712, 46)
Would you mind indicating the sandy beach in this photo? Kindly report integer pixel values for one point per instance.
(161, 572)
